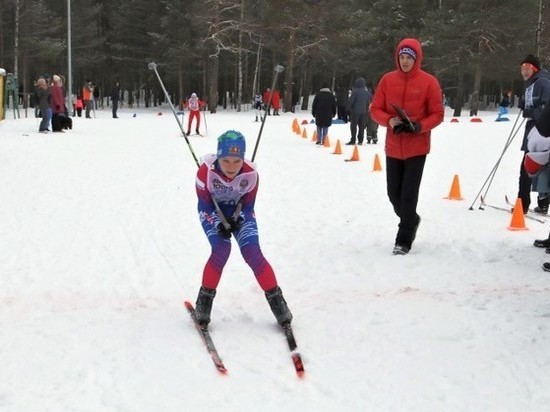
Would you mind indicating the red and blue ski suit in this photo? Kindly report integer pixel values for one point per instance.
(212, 183)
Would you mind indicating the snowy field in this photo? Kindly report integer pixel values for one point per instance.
(100, 244)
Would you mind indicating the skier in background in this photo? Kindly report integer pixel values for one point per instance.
(233, 182)
(258, 105)
(194, 105)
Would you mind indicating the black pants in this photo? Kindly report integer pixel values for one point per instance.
(524, 190)
(343, 113)
(357, 127)
(403, 179)
(115, 108)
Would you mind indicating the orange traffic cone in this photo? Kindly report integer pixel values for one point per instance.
(338, 148)
(295, 125)
(355, 155)
(377, 167)
(304, 133)
(314, 138)
(518, 220)
(326, 142)
(454, 194)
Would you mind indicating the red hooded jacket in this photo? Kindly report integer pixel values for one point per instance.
(419, 94)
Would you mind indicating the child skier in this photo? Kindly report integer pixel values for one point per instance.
(232, 182)
(258, 105)
(194, 105)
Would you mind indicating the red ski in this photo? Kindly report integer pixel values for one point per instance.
(207, 339)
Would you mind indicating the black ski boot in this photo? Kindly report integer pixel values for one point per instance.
(545, 243)
(197, 131)
(203, 307)
(278, 306)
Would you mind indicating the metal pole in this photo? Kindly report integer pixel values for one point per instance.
(278, 69)
(69, 61)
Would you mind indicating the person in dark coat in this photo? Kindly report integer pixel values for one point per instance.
(342, 103)
(115, 98)
(323, 110)
(358, 104)
(536, 96)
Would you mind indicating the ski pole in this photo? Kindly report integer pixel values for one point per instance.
(153, 66)
(278, 69)
(487, 184)
(493, 171)
(205, 124)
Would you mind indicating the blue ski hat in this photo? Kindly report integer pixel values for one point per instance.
(231, 143)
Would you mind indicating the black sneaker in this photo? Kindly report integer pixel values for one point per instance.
(401, 249)
(541, 210)
(203, 306)
(546, 266)
(542, 243)
(278, 306)
(350, 143)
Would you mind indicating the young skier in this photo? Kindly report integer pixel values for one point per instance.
(232, 182)
(194, 105)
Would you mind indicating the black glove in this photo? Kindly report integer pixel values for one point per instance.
(234, 226)
(400, 128)
(411, 127)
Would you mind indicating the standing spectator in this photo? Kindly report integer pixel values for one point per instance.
(194, 105)
(371, 125)
(295, 98)
(79, 105)
(88, 97)
(342, 95)
(536, 96)
(358, 104)
(267, 103)
(232, 182)
(258, 105)
(276, 102)
(57, 103)
(323, 110)
(115, 98)
(43, 94)
(407, 143)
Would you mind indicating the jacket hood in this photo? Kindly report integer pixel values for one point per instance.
(413, 44)
(360, 83)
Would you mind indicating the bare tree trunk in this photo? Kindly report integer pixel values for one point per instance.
(307, 85)
(540, 26)
(180, 87)
(288, 73)
(459, 100)
(16, 39)
(474, 101)
(2, 54)
(240, 63)
(213, 83)
(256, 81)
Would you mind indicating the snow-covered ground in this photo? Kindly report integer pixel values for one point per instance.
(100, 244)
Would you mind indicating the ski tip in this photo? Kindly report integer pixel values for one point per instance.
(298, 365)
(188, 304)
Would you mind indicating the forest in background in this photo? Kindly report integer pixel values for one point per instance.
(225, 50)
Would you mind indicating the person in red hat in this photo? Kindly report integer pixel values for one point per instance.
(536, 96)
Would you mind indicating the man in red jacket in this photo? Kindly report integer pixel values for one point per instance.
(407, 137)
